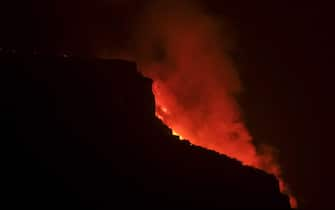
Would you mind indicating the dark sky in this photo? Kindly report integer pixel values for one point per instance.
(282, 58)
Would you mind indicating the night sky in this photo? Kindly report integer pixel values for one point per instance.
(280, 54)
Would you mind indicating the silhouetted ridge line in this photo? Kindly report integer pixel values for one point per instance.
(82, 133)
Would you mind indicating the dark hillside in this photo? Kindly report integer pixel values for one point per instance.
(82, 133)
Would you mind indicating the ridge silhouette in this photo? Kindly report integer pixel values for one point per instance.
(82, 133)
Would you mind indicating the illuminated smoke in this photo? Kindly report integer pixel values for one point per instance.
(185, 52)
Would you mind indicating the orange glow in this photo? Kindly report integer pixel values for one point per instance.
(177, 134)
(163, 111)
(167, 111)
(187, 53)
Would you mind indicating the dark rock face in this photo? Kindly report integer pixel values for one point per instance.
(82, 133)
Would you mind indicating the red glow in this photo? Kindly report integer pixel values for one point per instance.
(186, 53)
(230, 138)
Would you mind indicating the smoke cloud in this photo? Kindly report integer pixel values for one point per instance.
(186, 52)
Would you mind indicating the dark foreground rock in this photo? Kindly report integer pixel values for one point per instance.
(82, 133)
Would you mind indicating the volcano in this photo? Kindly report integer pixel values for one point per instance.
(83, 133)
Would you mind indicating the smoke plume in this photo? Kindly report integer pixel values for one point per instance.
(186, 53)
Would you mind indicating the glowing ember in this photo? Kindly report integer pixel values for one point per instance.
(177, 134)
